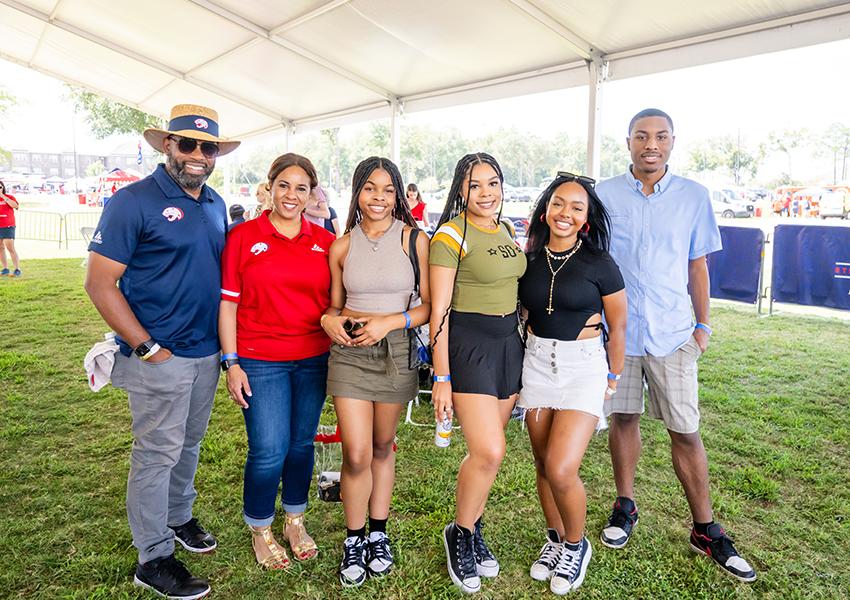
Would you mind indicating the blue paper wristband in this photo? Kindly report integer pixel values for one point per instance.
(406, 320)
(229, 356)
(704, 327)
(442, 378)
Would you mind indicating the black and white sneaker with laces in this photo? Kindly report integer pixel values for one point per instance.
(460, 558)
(541, 569)
(169, 578)
(193, 537)
(620, 524)
(720, 548)
(379, 557)
(352, 570)
(485, 563)
(569, 573)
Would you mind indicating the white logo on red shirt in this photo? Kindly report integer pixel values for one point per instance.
(172, 213)
(259, 248)
(201, 124)
(317, 248)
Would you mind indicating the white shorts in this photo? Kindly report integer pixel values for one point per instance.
(564, 375)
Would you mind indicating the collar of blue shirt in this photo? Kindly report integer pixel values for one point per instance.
(171, 189)
(660, 185)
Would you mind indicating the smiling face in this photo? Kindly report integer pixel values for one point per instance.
(290, 192)
(650, 143)
(566, 212)
(190, 171)
(378, 196)
(485, 191)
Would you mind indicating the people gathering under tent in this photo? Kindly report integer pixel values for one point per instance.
(602, 316)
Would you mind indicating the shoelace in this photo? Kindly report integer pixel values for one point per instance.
(482, 552)
(381, 550)
(568, 563)
(352, 552)
(192, 528)
(466, 556)
(619, 518)
(549, 554)
(723, 546)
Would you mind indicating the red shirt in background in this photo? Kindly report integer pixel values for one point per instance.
(418, 212)
(282, 287)
(7, 213)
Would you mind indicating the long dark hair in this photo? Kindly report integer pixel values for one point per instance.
(401, 210)
(596, 240)
(411, 187)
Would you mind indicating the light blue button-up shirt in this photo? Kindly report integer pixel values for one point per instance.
(652, 239)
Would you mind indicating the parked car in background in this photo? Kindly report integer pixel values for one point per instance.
(835, 204)
(729, 206)
(527, 194)
(509, 192)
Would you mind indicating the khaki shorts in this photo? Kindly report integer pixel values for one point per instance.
(671, 385)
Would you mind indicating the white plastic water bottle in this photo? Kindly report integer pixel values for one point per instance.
(443, 433)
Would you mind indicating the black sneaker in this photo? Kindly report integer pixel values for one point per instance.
(193, 537)
(620, 524)
(352, 569)
(460, 558)
(569, 573)
(541, 569)
(379, 557)
(485, 563)
(168, 577)
(719, 547)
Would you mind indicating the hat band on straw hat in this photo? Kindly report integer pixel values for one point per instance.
(194, 122)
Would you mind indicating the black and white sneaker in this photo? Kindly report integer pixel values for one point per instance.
(460, 558)
(379, 557)
(193, 537)
(720, 548)
(569, 573)
(620, 524)
(485, 563)
(541, 569)
(352, 570)
(169, 578)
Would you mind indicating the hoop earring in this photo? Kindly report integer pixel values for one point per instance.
(542, 219)
(585, 229)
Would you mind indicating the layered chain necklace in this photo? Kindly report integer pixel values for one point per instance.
(549, 258)
(376, 243)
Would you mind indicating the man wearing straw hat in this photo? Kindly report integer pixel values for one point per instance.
(160, 239)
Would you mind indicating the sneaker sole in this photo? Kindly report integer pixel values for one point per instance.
(487, 571)
(189, 548)
(139, 583)
(455, 579)
(719, 566)
(348, 583)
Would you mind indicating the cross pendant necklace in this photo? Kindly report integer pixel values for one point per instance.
(565, 259)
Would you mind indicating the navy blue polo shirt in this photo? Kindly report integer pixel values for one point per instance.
(171, 244)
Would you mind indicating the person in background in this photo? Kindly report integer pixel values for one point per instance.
(662, 228)
(321, 213)
(8, 206)
(275, 288)
(161, 242)
(264, 199)
(237, 216)
(418, 208)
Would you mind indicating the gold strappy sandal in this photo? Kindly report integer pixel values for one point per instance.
(303, 546)
(270, 555)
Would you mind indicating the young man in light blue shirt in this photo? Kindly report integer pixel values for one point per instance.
(662, 228)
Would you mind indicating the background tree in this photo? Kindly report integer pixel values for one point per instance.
(835, 143)
(95, 169)
(615, 158)
(107, 117)
(787, 141)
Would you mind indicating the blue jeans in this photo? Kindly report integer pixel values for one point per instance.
(281, 420)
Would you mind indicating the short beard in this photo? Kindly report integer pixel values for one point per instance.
(184, 179)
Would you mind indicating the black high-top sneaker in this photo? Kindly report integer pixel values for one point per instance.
(460, 558)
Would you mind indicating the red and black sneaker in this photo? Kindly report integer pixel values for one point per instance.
(719, 547)
(623, 519)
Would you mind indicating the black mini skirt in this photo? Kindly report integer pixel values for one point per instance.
(485, 354)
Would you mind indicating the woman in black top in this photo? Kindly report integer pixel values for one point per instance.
(570, 283)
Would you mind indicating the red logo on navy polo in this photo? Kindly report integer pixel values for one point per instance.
(172, 213)
(841, 270)
(201, 124)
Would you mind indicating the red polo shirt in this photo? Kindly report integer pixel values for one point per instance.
(282, 287)
(7, 213)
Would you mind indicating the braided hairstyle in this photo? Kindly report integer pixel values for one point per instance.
(596, 240)
(364, 170)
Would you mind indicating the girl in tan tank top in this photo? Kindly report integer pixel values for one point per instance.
(368, 376)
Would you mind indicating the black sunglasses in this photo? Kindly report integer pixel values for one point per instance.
(581, 178)
(188, 145)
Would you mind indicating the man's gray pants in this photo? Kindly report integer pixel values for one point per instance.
(170, 403)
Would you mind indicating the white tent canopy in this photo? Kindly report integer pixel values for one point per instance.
(308, 64)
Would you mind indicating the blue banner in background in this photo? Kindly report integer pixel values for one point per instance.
(811, 265)
(734, 271)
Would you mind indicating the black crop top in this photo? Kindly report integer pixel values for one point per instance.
(579, 287)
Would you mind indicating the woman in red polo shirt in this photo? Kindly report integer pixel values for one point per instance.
(417, 206)
(8, 205)
(275, 288)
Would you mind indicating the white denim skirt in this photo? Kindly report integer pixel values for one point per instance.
(564, 375)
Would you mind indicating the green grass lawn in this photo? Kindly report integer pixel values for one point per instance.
(774, 391)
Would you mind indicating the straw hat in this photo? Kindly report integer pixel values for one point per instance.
(191, 121)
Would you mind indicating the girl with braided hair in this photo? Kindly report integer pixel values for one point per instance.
(476, 346)
(372, 308)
